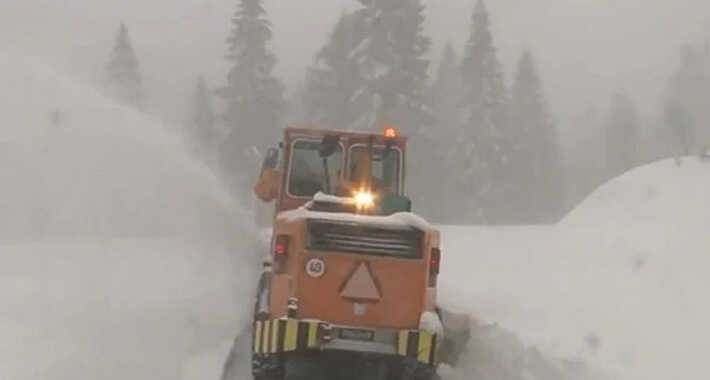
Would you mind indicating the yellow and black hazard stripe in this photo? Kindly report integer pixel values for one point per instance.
(284, 335)
(288, 335)
(420, 345)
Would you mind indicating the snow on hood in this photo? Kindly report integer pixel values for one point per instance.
(398, 220)
(327, 198)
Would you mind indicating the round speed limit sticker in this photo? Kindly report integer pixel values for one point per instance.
(315, 268)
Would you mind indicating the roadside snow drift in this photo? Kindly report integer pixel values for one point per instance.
(116, 309)
(120, 257)
(621, 283)
(74, 163)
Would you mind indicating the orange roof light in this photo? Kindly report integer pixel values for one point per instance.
(390, 132)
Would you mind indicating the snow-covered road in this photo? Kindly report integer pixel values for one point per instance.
(115, 309)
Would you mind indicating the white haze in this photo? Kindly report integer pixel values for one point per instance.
(89, 299)
(587, 49)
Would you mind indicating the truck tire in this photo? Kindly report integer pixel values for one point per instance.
(348, 366)
(411, 371)
(305, 366)
(377, 370)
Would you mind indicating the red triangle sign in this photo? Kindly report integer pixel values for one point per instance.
(361, 286)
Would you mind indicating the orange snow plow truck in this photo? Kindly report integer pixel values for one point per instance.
(348, 289)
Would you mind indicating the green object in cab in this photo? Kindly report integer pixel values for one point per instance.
(393, 203)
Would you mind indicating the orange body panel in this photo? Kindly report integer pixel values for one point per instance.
(402, 284)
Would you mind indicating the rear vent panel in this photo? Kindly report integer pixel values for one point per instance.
(388, 241)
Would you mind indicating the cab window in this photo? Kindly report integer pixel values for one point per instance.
(385, 168)
(307, 172)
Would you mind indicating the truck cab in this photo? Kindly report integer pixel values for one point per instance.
(293, 174)
(351, 273)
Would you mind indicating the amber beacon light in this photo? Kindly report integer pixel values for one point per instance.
(390, 132)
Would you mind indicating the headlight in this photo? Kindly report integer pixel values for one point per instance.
(364, 199)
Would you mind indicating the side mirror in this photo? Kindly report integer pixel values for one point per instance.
(267, 187)
(393, 203)
(271, 159)
(329, 145)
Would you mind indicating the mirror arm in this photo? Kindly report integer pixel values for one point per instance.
(326, 175)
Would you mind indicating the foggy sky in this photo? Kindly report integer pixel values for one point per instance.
(586, 49)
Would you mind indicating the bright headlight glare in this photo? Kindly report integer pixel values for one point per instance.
(364, 199)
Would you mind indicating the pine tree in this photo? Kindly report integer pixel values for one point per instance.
(202, 128)
(687, 112)
(446, 94)
(123, 79)
(679, 121)
(254, 96)
(483, 155)
(335, 76)
(444, 98)
(392, 65)
(621, 135)
(536, 164)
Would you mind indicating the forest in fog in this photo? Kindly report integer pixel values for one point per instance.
(488, 144)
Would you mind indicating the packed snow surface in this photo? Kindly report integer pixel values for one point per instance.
(621, 283)
(117, 250)
(115, 309)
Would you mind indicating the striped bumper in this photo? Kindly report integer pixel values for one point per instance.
(417, 344)
(289, 335)
(284, 335)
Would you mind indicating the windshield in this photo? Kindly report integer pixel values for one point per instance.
(307, 176)
(385, 168)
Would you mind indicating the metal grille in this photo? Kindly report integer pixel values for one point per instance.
(366, 239)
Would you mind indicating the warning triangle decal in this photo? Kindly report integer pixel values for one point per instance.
(361, 286)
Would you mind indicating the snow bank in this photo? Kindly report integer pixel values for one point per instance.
(120, 257)
(619, 284)
(73, 163)
(665, 193)
(116, 309)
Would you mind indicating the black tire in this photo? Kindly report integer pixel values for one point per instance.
(308, 366)
(411, 370)
(348, 366)
(375, 370)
